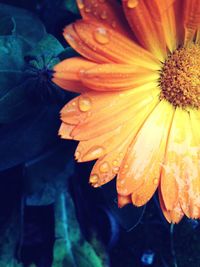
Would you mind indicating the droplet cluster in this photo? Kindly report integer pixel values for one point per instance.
(180, 77)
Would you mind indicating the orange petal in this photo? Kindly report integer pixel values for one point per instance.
(70, 68)
(65, 130)
(76, 110)
(140, 171)
(72, 86)
(123, 200)
(113, 77)
(124, 107)
(172, 164)
(193, 169)
(197, 40)
(172, 216)
(104, 12)
(106, 168)
(169, 23)
(81, 47)
(113, 46)
(66, 73)
(191, 19)
(146, 20)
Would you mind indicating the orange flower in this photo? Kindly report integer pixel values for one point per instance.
(138, 112)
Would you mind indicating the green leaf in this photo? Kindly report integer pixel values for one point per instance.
(28, 137)
(46, 176)
(27, 25)
(12, 49)
(71, 249)
(45, 52)
(67, 53)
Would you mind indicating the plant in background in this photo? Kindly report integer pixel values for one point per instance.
(138, 112)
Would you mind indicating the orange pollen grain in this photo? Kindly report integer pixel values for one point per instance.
(180, 77)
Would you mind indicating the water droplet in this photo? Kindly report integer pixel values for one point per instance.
(101, 36)
(155, 181)
(126, 166)
(122, 181)
(115, 169)
(80, 4)
(115, 163)
(84, 103)
(104, 167)
(94, 178)
(132, 3)
(104, 15)
(74, 103)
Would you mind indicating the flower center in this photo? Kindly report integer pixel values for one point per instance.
(180, 77)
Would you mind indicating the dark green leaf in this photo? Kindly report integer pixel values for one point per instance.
(24, 139)
(46, 176)
(12, 49)
(45, 52)
(71, 249)
(7, 25)
(67, 53)
(28, 26)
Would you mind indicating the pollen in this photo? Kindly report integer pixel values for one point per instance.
(180, 77)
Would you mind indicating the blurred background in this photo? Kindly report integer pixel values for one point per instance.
(49, 214)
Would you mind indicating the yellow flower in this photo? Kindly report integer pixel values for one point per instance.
(138, 111)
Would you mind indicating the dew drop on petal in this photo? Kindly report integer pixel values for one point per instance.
(84, 103)
(101, 36)
(115, 163)
(94, 178)
(74, 104)
(155, 181)
(80, 4)
(132, 3)
(104, 167)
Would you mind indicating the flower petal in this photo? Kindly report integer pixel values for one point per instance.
(81, 47)
(197, 40)
(123, 200)
(171, 171)
(141, 166)
(191, 19)
(172, 216)
(70, 68)
(66, 73)
(113, 77)
(106, 168)
(152, 21)
(65, 130)
(108, 45)
(122, 106)
(105, 12)
(193, 161)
